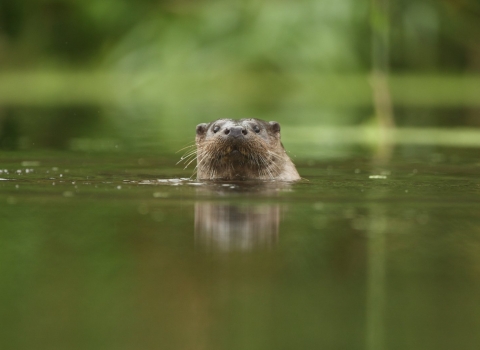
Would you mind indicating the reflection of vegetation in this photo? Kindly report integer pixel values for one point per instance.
(105, 267)
(115, 267)
(164, 121)
(52, 127)
(9, 133)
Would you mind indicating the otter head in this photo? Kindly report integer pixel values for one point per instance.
(239, 149)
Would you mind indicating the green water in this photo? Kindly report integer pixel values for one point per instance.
(122, 251)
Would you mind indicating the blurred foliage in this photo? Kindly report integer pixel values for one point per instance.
(263, 35)
(171, 64)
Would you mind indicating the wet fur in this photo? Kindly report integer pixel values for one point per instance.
(259, 156)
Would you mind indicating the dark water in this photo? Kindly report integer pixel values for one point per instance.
(115, 251)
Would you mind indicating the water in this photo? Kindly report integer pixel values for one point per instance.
(121, 251)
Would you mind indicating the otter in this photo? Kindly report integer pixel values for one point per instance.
(244, 149)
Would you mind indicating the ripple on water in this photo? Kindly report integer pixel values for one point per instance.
(170, 182)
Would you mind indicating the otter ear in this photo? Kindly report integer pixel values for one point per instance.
(275, 126)
(201, 129)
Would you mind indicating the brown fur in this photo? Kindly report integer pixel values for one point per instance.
(242, 149)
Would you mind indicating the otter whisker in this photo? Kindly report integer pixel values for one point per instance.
(186, 166)
(275, 155)
(181, 149)
(185, 159)
(239, 149)
(266, 168)
(189, 152)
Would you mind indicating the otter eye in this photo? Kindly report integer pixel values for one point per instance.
(256, 129)
(216, 128)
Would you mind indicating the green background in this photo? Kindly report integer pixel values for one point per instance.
(141, 74)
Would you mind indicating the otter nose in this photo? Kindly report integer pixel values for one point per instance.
(236, 131)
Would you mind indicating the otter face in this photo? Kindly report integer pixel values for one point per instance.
(238, 131)
(245, 148)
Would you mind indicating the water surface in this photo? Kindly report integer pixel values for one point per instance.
(124, 251)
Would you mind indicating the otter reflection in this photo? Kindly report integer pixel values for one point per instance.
(235, 226)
